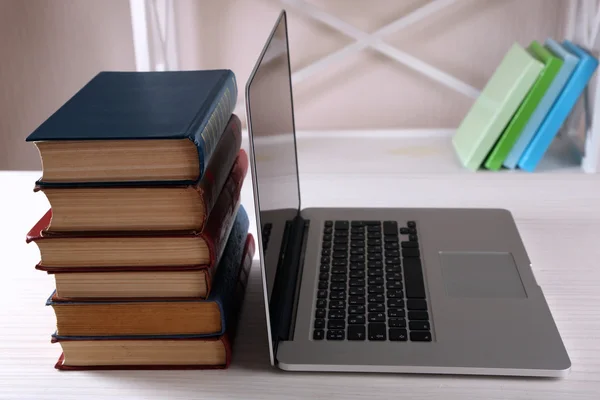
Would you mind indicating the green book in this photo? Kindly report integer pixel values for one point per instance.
(511, 134)
(493, 109)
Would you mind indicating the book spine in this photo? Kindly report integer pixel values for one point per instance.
(207, 130)
(220, 164)
(221, 218)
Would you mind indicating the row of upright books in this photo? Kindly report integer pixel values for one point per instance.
(145, 236)
(524, 105)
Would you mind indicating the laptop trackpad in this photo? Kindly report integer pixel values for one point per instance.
(481, 274)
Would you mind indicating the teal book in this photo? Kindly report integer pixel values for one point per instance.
(494, 108)
(132, 127)
(528, 107)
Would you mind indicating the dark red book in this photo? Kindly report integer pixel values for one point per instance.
(164, 352)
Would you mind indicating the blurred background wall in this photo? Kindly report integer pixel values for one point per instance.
(51, 48)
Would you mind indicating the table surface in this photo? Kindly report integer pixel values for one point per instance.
(558, 215)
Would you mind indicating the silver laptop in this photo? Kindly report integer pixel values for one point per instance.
(403, 290)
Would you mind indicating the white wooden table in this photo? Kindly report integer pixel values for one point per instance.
(558, 215)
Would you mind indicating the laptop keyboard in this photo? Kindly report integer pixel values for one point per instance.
(371, 283)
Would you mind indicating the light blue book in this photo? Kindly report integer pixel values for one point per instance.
(569, 63)
(562, 107)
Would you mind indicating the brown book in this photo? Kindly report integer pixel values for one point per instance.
(157, 317)
(140, 206)
(167, 352)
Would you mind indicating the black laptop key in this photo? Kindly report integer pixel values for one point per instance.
(323, 276)
(393, 276)
(376, 317)
(374, 257)
(392, 253)
(337, 304)
(356, 310)
(342, 225)
(412, 231)
(357, 243)
(336, 324)
(328, 223)
(340, 247)
(393, 285)
(374, 242)
(340, 254)
(413, 238)
(377, 331)
(321, 303)
(374, 235)
(324, 268)
(338, 286)
(326, 252)
(369, 223)
(340, 262)
(320, 313)
(319, 323)
(406, 253)
(396, 313)
(395, 293)
(339, 233)
(398, 335)
(376, 298)
(376, 307)
(318, 334)
(374, 249)
(322, 294)
(374, 228)
(357, 291)
(416, 304)
(357, 224)
(376, 289)
(335, 335)
(413, 278)
(357, 274)
(357, 258)
(357, 282)
(391, 246)
(390, 228)
(340, 240)
(357, 236)
(338, 270)
(356, 319)
(418, 315)
(404, 231)
(392, 261)
(338, 278)
(337, 295)
(356, 332)
(357, 266)
(374, 272)
(409, 245)
(327, 237)
(419, 325)
(357, 251)
(390, 239)
(397, 323)
(375, 280)
(336, 314)
(395, 303)
(420, 336)
(325, 260)
(375, 264)
(393, 268)
(411, 224)
(356, 300)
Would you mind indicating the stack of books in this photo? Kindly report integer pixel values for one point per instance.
(523, 106)
(145, 237)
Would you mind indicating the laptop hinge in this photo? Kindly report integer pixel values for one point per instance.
(283, 297)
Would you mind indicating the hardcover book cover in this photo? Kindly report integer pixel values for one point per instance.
(569, 63)
(494, 108)
(147, 105)
(169, 361)
(528, 107)
(562, 107)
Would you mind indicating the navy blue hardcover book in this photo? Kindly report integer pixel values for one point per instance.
(120, 125)
(147, 318)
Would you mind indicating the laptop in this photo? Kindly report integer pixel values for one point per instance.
(399, 290)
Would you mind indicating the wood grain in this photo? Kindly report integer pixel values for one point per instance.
(558, 216)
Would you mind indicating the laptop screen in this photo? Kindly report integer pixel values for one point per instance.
(272, 140)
